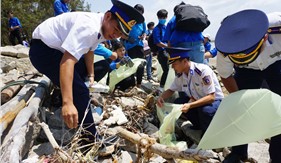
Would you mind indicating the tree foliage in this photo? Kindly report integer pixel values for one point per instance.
(31, 13)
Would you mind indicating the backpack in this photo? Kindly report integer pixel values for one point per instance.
(153, 47)
(191, 18)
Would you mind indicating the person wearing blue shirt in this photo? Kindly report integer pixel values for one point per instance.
(209, 53)
(193, 40)
(101, 68)
(60, 6)
(158, 34)
(134, 44)
(14, 28)
(150, 27)
(121, 53)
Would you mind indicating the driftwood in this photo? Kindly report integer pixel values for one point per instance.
(162, 150)
(64, 156)
(10, 116)
(9, 92)
(13, 145)
(7, 106)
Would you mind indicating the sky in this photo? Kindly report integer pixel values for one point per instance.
(215, 9)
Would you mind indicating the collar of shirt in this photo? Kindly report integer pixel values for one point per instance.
(191, 69)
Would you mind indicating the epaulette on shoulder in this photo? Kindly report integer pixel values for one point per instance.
(198, 71)
(274, 30)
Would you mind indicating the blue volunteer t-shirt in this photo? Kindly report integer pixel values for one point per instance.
(175, 37)
(157, 37)
(134, 35)
(60, 7)
(14, 21)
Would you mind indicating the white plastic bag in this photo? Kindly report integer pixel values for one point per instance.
(167, 129)
(243, 117)
(123, 72)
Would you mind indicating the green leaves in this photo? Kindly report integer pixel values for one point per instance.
(31, 13)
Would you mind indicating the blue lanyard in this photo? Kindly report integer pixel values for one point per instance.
(189, 83)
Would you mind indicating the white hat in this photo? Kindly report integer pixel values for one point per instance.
(207, 35)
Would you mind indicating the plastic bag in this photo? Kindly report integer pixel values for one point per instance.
(243, 117)
(123, 72)
(167, 129)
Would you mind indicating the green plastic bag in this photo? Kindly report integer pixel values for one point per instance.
(123, 72)
(243, 117)
(169, 113)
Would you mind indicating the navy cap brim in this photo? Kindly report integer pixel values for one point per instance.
(241, 31)
(131, 14)
(176, 53)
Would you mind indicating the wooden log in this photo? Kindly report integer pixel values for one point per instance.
(64, 156)
(7, 106)
(10, 116)
(11, 108)
(30, 111)
(14, 142)
(10, 92)
(160, 149)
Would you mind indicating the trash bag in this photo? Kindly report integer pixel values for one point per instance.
(243, 117)
(123, 72)
(168, 115)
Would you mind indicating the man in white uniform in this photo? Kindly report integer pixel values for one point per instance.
(201, 85)
(249, 42)
(62, 49)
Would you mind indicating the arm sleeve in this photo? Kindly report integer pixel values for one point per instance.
(18, 22)
(144, 28)
(207, 47)
(224, 66)
(214, 52)
(176, 86)
(208, 82)
(103, 51)
(79, 41)
(113, 65)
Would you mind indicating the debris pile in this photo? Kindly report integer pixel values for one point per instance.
(32, 129)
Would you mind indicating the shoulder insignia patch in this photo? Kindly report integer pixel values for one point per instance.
(178, 74)
(207, 80)
(198, 71)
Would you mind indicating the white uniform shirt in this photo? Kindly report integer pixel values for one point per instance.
(75, 32)
(270, 54)
(200, 82)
